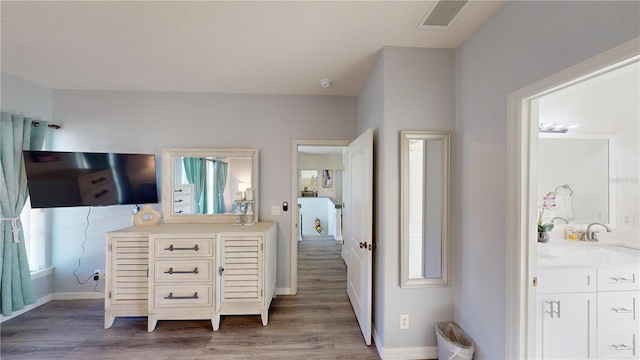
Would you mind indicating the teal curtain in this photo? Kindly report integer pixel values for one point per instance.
(195, 170)
(220, 171)
(17, 133)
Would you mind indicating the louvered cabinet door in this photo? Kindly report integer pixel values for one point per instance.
(241, 269)
(127, 265)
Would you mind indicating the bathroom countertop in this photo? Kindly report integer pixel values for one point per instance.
(562, 253)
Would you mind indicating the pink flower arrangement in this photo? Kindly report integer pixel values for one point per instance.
(548, 203)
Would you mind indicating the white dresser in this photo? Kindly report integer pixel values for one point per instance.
(190, 271)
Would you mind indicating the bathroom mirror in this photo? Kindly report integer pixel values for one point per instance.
(579, 169)
(424, 208)
(201, 185)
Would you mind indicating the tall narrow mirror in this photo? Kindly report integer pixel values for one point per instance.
(424, 208)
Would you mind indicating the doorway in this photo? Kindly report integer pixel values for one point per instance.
(522, 147)
(317, 146)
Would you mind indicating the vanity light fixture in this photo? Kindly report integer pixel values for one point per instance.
(555, 128)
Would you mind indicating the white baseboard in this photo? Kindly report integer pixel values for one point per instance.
(41, 301)
(283, 291)
(427, 352)
(78, 296)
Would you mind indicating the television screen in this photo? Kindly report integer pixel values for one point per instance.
(61, 179)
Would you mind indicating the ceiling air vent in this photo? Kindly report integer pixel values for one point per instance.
(442, 14)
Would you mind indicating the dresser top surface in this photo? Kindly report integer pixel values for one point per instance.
(259, 227)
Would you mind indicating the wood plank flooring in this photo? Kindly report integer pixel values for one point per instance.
(317, 323)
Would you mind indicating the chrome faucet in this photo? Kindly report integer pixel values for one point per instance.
(591, 235)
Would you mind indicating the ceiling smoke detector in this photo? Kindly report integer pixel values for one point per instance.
(325, 83)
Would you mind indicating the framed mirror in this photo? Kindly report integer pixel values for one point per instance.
(579, 169)
(202, 185)
(424, 208)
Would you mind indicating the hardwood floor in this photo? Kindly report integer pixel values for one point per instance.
(317, 323)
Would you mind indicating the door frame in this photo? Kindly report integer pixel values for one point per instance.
(520, 334)
(294, 201)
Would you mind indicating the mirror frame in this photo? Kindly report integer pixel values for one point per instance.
(168, 156)
(405, 138)
(612, 194)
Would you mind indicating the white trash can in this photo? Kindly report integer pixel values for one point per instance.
(453, 342)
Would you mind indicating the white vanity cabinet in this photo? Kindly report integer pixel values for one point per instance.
(190, 271)
(566, 324)
(588, 312)
(618, 321)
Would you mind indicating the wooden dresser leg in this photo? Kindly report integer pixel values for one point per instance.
(151, 323)
(108, 319)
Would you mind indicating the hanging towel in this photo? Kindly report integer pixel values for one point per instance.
(563, 207)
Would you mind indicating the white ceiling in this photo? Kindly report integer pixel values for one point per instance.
(267, 47)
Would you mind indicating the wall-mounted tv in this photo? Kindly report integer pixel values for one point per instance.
(63, 179)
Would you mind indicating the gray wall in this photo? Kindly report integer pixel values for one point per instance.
(522, 43)
(23, 97)
(409, 89)
(147, 122)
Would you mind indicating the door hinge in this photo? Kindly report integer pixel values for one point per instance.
(535, 281)
(344, 168)
(261, 292)
(261, 246)
(109, 294)
(110, 247)
(342, 241)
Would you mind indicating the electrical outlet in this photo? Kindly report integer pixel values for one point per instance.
(98, 274)
(275, 210)
(404, 322)
(600, 215)
(627, 219)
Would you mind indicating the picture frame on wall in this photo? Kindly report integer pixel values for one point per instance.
(327, 178)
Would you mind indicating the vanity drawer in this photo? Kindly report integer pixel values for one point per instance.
(183, 296)
(167, 247)
(617, 343)
(618, 308)
(184, 271)
(615, 279)
(566, 280)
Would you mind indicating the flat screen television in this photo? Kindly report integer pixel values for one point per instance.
(63, 179)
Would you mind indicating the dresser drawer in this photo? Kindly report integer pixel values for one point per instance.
(183, 208)
(617, 343)
(566, 280)
(615, 279)
(183, 247)
(183, 296)
(618, 308)
(183, 270)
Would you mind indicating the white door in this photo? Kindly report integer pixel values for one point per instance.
(359, 228)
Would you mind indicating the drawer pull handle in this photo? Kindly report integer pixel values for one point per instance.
(179, 190)
(621, 279)
(101, 193)
(98, 180)
(622, 347)
(171, 248)
(179, 200)
(622, 310)
(179, 212)
(221, 270)
(171, 297)
(171, 271)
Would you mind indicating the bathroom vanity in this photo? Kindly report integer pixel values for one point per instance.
(587, 301)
